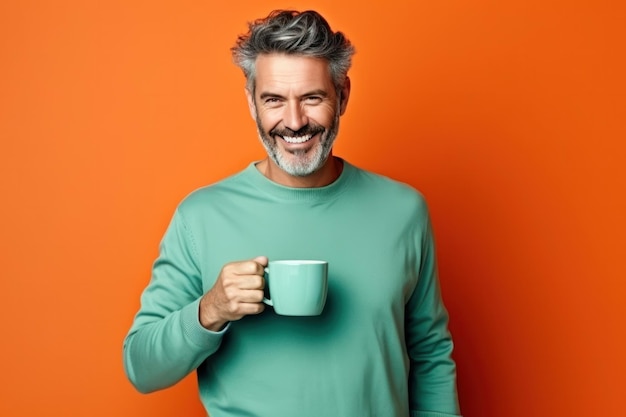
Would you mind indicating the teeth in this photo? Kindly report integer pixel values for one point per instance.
(300, 139)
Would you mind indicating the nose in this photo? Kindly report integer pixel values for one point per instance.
(295, 116)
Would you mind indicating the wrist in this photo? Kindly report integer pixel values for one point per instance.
(208, 319)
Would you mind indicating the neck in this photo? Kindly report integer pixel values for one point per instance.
(327, 174)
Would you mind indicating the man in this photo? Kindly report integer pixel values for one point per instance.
(381, 346)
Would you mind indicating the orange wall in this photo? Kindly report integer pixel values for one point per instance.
(509, 116)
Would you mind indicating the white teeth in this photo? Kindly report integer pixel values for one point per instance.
(299, 139)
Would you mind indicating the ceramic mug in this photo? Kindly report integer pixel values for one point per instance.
(297, 287)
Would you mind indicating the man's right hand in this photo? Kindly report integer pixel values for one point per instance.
(237, 292)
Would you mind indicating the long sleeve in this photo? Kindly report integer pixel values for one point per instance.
(166, 341)
(432, 376)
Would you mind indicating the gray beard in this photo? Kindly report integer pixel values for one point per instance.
(308, 161)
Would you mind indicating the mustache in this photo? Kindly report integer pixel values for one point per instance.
(303, 131)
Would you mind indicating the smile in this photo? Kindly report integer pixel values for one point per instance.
(298, 139)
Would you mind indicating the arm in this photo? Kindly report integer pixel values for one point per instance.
(432, 375)
(177, 326)
(166, 341)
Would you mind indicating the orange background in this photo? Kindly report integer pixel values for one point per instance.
(509, 116)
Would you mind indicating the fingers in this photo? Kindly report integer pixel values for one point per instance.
(237, 292)
(254, 266)
(242, 309)
(261, 260)
(244, 275)
(250, 282)
(236, 295)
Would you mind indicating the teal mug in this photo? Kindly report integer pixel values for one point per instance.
(297, 287)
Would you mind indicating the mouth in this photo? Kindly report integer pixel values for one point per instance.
(297, 139)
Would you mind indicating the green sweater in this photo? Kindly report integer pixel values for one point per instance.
(381, 346)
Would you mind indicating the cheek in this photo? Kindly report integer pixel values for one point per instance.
(324, 114)
(268, 119)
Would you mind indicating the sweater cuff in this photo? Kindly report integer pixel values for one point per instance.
(197, 334)
(432, 414)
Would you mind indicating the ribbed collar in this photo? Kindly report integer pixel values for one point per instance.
(281, 192)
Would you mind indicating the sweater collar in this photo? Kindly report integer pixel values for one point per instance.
(281, 192)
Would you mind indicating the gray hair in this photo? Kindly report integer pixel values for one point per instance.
(296, 33)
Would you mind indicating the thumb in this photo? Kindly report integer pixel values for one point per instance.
(261, 260)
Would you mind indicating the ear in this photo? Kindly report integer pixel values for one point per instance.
(345, 95)
(251, 103)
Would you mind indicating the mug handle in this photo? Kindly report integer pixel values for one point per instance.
(267, 300)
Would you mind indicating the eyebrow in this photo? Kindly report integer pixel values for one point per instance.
(318, 92)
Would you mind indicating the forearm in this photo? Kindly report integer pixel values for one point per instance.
(432, 376)
(160, 352)
(432, 381)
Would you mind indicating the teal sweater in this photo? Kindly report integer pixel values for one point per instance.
(381, 346)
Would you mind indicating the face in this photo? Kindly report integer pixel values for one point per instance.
(296, 109)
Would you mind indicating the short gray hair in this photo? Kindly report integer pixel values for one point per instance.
(295, 33)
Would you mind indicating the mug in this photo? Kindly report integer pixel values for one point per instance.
(297, 287)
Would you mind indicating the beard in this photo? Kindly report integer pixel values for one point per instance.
(300, 163)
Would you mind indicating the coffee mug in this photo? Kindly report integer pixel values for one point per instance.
(297, 287)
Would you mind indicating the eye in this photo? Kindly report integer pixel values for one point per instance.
(313, 99)
(272, 102)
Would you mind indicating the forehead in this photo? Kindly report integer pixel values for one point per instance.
(280, 72)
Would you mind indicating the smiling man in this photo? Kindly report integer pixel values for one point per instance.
(381, 346)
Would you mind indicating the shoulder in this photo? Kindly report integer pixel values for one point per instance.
(386, 189)
(203, 198)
